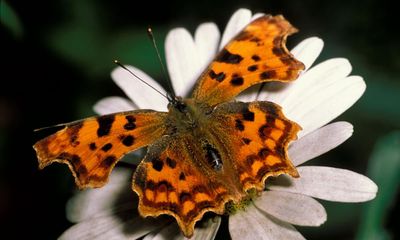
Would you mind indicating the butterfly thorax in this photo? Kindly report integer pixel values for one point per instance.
(186, 116)
(192, 119)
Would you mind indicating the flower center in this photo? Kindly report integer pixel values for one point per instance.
(232, 208)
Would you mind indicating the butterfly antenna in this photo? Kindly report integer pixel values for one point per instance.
(143, 81)
(49, 127)
(171, 90)
(260, 89)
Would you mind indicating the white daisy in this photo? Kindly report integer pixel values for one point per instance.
(318, 96)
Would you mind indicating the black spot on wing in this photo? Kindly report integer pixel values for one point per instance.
(130, 125)
(246, 141)
(217, 76)
(256, 58)
(248, 115)
(184, 196)
(239, 125)
(171, 162)
(237, 80)
(106, 147)
(105, 125)
(252, 68)
(264, 152)
(226, 57)
(92, 146)
(268, 75)
(182, 176)
(128, 140)
(157, 164)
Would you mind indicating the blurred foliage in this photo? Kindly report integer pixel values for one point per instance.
(384, 169)
(59, 58)
(83, 41)
(9, 19)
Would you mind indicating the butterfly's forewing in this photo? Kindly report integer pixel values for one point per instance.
(257, 54)
(258, 136)
(93, 146)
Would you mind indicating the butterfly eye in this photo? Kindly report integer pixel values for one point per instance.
(180, 106)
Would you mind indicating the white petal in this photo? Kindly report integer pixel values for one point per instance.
(124, 226)
(333, 184)
(141, 94)
(292, 208)
(257, 15)
(206, 230)
(326, 103)
(237, 22)
(319, 142)
(170, 231)
(113, 104)
(101, 201)
(253, 224)
(324, 73)
(249, 95)
(182, 60)
(308, 50)
(206, 38)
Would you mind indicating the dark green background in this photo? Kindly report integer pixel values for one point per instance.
(56, 63)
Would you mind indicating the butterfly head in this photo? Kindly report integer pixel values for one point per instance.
(177, 103)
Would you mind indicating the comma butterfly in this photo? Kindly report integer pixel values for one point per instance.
(207, 150)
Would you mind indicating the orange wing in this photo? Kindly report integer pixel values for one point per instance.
(175, 178)
(257, 54)
(92, 147)
(258, 135)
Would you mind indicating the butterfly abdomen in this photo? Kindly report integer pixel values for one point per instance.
(213, 157)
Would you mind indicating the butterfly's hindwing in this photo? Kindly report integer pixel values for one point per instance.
(179, 178)
(258, 135)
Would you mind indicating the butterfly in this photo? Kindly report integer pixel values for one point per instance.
(207, 150)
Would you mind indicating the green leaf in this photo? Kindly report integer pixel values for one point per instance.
(10, 19)
(384, 168)
(133, 47)
(83, 41)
